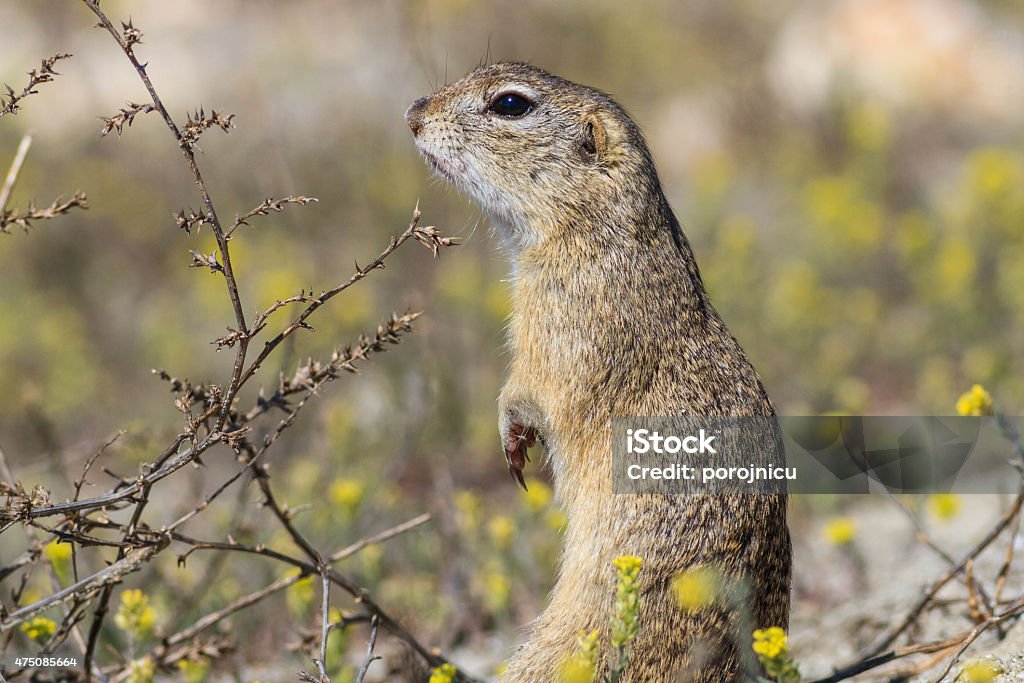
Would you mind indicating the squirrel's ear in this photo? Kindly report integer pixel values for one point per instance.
(599, 136)
(594, 140)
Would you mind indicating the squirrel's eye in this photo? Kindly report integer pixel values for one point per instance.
(511, 105)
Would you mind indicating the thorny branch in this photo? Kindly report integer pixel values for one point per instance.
(117, 519)
(11, 102)
(24, 218)
(988, 612)
(127, 38)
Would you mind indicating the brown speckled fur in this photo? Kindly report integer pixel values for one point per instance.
(610, 317)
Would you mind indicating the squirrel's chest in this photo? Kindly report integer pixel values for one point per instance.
(563, 337)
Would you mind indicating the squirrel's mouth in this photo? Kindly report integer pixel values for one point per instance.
(442, 167)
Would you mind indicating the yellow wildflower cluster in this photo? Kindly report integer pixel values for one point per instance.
(581, 667)
(300, 594)
(467, 504)
(443, 674)
(975, 402)
(346, 494)
(502, 530)
(537, 496)
(944, 506)
(497, 590)
(840, 531)
(59, 556)
(980, 671)
(696, 588)
(868, 127)
(994, 173)
(771, 645)
(39, 629)
(141, 671)
(194, 670)
(627, 600)
(556, 520)
(135, 616)
(57, 552)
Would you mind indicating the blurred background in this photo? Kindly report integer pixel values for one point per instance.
(850, 173)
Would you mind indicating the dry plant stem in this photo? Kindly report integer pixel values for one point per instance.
(325, 622)
(877, 656)
(1004, 570)
(138, 544)
(11, 103)
(103, 602)
(215, 225)
(380, 538)
(170, 461)
(919, 607)
(926, 540)
(961, 641)
(213, 618)
(350, 586)
(187, 634)
(101, 579)
(8, 476)
(370, 658)
(300, 321)
(360, 594)
(12, 174)
(1013, 611)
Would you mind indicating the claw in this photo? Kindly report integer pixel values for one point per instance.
(517, 474)
(517, 442)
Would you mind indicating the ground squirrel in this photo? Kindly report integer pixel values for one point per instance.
(610, 318)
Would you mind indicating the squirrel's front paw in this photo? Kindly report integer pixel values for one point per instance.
(517, 439)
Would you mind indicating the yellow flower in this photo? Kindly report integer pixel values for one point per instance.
(696, 588)
(994, 172)
(537, 496)
(443, 674)
(771, 642)
(980, 671)
(867, 127)
(771, 645)
(141, 671)
(135, 615)
(840, 530)
(945, 506)
(737, 234)
(580, 668)
(556, 520)
(955, 266)
(501, 529)
(627, 600)
(300, 594)
(194, 670)
(39, 629)
(628, 566)
(57, 553)
(975, 402)
(346, 493)
(468, 506)
(370, 557)
(496, 590)
(59, 556)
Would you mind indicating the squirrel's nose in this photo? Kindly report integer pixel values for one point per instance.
(414, 115)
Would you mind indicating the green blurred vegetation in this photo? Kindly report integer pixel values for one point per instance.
(869, 257)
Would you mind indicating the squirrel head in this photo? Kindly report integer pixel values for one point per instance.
(543, 156)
